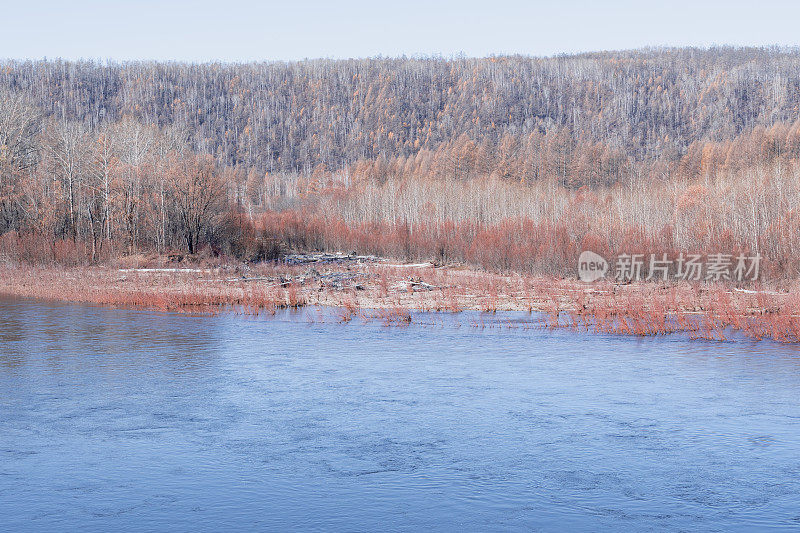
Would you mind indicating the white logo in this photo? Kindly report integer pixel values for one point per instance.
(591, 267)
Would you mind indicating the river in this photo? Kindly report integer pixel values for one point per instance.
(140, 421)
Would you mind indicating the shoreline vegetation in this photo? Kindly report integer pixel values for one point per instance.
(372, 288)
(501, 170)
(503, 163)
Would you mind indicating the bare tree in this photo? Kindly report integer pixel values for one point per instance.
(19, 125)
(198, 196)
(67, 150)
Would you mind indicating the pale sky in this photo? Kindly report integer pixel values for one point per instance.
(246, 30)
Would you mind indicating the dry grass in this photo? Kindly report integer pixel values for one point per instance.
(190, 290)
(388, 293)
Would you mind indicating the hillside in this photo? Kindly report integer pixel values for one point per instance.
(658, 149)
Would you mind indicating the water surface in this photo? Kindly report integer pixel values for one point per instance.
(134, 420)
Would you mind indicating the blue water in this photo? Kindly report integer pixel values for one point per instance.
(140, 421)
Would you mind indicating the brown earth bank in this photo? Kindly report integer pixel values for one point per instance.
(369, 287)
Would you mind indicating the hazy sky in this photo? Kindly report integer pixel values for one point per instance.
(243, 30)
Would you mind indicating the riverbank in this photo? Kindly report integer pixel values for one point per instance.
(370, 287)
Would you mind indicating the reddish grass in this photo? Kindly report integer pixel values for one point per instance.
(640, 309)
(169, 292)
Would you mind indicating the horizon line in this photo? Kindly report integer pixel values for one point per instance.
(780, 48)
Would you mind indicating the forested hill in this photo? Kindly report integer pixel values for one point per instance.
(499, 114)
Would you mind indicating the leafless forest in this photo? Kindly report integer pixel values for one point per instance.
(509, 163)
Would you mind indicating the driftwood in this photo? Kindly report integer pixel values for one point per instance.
(331, 280)
(340, 280)
(167, 270)
(328, 258)
(416, 285)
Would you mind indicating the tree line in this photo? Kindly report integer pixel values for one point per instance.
(110, 158)
(328, 114)
(114, 189)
